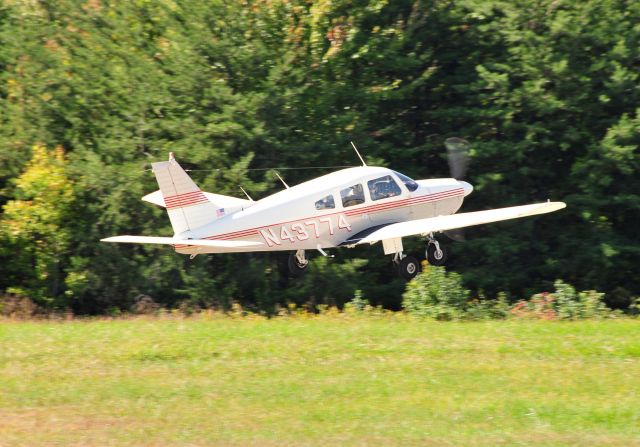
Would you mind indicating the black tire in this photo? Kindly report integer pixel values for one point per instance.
(295, 268)
(408, 267)
(433, 258)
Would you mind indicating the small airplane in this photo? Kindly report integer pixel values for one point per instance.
(349, 207)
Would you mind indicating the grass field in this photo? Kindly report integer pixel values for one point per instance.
(329, 380)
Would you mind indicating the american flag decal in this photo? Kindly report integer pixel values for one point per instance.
(220, 212)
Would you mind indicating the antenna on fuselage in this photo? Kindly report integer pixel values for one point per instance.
(359, 156)
(283, 182)
(246, 194)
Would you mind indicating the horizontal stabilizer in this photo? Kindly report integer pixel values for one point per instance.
(442, 223)
(155, 198)
(221, 201)
(172, 241)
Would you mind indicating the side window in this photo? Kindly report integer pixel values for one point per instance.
(353, 195)
(408, 182)
(326, 203)
(383, 187)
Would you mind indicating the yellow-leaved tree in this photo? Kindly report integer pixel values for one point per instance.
(33, 232)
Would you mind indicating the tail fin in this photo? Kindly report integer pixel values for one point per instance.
(187, 206)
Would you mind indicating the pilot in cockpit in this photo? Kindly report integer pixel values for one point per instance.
(382, 190)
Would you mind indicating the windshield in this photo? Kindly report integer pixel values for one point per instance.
(408, 181)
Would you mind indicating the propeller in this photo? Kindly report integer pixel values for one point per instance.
(458, 158)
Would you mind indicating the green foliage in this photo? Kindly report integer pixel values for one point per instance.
(488, 309)
(327, 282)
(358, 303)
(563, 304)
(571, 305)
(34, 229)
(547, 93)
(437, 294)
(440, 295)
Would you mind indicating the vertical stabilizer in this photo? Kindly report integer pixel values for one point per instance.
(187, 206)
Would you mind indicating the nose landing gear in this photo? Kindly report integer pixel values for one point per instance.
(435, 254)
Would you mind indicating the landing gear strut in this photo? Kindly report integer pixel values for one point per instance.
(298, 263)
(408, 266)
(435, 254)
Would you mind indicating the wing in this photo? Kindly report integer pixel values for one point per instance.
(172, 241)
(441, 223)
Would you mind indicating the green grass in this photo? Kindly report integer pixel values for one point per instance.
(330, 380)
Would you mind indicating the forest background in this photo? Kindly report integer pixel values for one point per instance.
(92, 92)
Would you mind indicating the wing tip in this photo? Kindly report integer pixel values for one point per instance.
(550, 207)
(109, 239)
(125, 238)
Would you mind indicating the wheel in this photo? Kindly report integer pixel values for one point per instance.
(408, 267)
(436, 254)
(297, 268)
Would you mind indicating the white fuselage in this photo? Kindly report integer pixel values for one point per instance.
(327, 211)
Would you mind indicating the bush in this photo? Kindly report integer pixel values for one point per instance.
(436, 294)
(358, 303)
(19, 307)
(144, 305)
(563, 304)
(440, 295)
(483, 309)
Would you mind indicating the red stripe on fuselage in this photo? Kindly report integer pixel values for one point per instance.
(405, 202)
(368, 209)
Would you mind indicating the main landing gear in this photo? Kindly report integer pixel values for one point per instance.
(298, 263)
(408, 266)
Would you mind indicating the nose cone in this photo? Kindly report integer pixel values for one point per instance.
(467, 188)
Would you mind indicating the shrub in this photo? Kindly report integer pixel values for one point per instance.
(19, 307)
(440, 295)
(436, 294)
(483, 309)
(563, 304)
(539, 307)
(145, 305)
(358, 303)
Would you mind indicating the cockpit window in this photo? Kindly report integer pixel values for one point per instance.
(408, 182)
(326, 203)
(383, 187)
(353, 195)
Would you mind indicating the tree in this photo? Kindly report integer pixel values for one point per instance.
(546, 91)
(35, 234)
